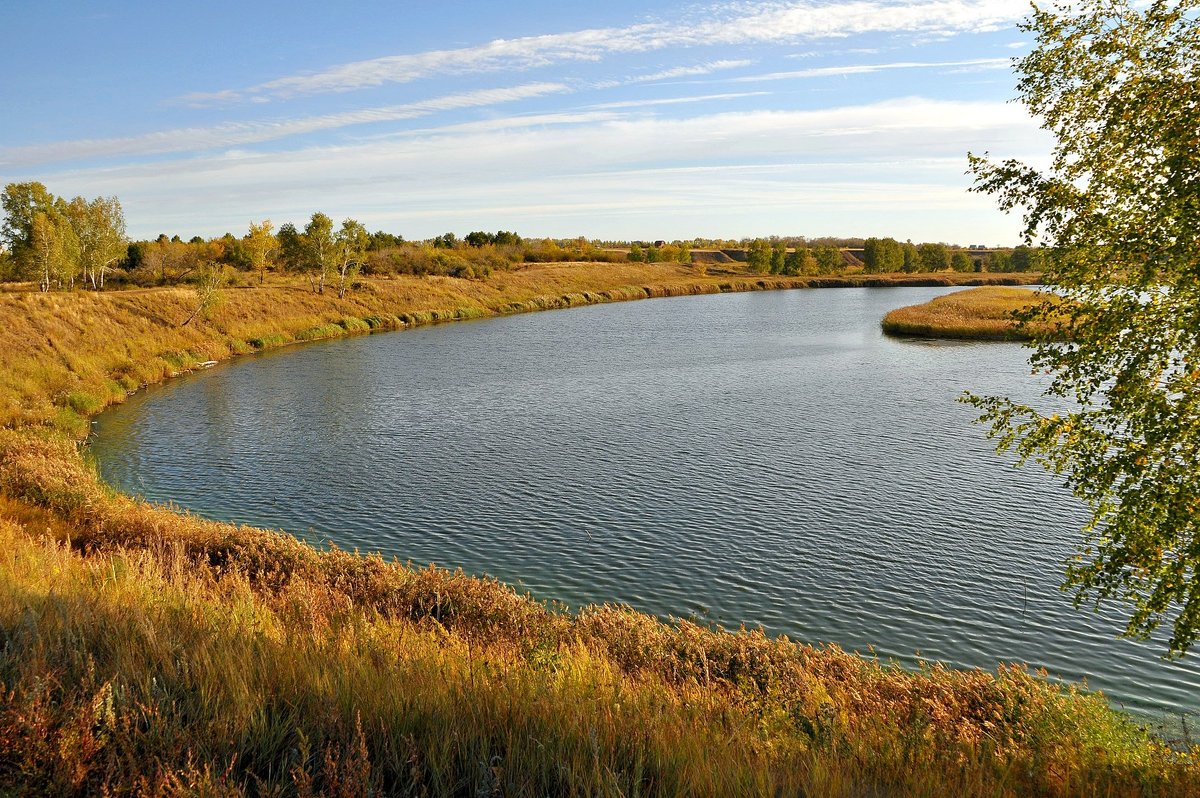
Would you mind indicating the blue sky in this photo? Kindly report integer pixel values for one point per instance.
(614, 120)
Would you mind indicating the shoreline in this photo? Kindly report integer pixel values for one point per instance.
(341, 643)
(241, 326)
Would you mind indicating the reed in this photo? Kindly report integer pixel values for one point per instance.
(985, 313)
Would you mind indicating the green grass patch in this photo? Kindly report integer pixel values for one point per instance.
(469, 312)
(320, 331)
(176, 360)
(239, 347)
(384, 322)
(269, 341)
(84, 403)
(69, 421)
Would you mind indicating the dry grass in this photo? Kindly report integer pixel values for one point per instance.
(148, 652)
(144, 647)
(979, 313)
(66, 356)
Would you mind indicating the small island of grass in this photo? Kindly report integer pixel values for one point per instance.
(985, 313)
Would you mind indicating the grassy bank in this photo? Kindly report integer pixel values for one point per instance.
(146, 651)
(984, 313)
(67, 356)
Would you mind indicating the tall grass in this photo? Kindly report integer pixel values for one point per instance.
(978, 313)
(159, 650)
(145, 651)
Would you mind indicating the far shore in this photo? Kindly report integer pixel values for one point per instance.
(38, 386)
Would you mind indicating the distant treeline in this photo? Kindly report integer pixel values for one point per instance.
(880, 255)
(61, 244)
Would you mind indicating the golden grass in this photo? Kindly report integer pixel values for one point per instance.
(984, 313)
(68, 355)
(145, 647)
(148, 652)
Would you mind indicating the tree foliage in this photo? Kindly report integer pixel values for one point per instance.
(1118, 85)
(883, 255)
(99, 226)
(351, 242)
(317, 251)
(52, 251)
(260, 244)
(758, 256)
(933, 257)
(55, 242)
(208, 280)
(829, 259)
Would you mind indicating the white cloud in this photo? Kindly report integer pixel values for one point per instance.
(679, 100)
(690, 71)
(756, 23)
(240, 133)
(856, 169)
(864, 69)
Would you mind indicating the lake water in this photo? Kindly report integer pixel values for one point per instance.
(762, 459)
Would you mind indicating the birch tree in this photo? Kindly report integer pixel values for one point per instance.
(260, 245)
(99, 227)
(1118, 86)
(351, 242)
(319, 250)
(53, 250)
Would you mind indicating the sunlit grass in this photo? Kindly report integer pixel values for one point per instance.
(977, 313)
(163, 649)
(81, 351)
(146, 651)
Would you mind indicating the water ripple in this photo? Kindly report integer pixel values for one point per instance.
(760, 459)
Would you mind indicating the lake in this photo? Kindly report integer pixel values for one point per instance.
(767, 459)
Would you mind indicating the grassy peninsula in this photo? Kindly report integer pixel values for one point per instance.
(983, 313)
(147, 651)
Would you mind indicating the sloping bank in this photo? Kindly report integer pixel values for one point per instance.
(146, 651)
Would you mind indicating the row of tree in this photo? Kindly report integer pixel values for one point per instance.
(659, 252)
(318, 251)
(766, 256)
(60, 242)
(889, 255)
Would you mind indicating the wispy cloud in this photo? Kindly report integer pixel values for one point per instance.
(234, 134)
(865, 69)
(700, 98)
(691, 71)
(745, 24)
(905, 156)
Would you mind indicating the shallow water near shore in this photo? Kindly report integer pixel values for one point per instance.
(762, 459)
